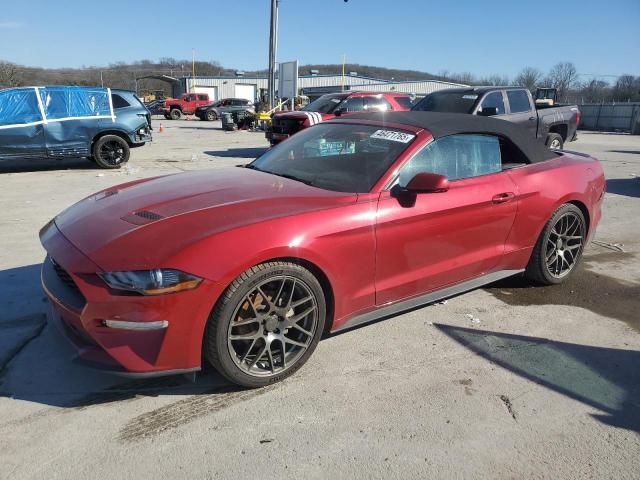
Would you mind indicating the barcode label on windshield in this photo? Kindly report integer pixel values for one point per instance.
(393, 136)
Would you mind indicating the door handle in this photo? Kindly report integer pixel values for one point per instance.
(503, 197)
(531, 119)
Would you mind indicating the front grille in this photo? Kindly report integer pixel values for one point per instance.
(286, 126)
(64, 276)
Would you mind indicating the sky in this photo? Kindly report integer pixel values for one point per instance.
(483, 37)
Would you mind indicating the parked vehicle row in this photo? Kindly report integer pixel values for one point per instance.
(284, 124)
(351, 220)
(63, 122)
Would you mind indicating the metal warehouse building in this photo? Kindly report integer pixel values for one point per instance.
(311, 85)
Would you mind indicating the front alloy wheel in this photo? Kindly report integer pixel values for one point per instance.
(266, 325)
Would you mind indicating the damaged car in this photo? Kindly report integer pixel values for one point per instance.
(101, 124)
(348, 221)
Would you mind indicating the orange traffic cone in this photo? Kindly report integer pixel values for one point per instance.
(161, 129)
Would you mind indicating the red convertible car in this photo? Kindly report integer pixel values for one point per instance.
(347, 221)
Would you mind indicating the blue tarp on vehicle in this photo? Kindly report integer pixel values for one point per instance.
(32, 105)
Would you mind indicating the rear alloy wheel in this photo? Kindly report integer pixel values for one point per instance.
(555, 141)
(211, 116)
(110, 151)
(176, 114)
(559, 247)
(266, 324)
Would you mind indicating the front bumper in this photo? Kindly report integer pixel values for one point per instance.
(81, 302)
(276, 137)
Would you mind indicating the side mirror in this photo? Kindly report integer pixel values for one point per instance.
(428, 183)
(338, 111)
(488, 111)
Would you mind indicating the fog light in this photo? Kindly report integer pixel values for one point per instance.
(126, 325)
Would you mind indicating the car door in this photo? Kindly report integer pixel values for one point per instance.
(522, 111)
(70, 126)
(376, 104)
(352, 105)
(21, 128)
(445, 238)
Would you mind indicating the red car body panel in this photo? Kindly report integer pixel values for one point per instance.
(367, 249)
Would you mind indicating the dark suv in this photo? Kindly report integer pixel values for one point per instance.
(62, 122)
(212, 111)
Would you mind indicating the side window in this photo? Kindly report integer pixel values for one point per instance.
(19, 107)
(202, 97)
(518, 101)
(118, 101)
(494, 99)
(238, 103)
(74, 102)
(374, 104)
(353, 104)
(404, 102)
(456, 157)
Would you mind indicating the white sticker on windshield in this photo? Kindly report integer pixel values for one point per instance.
(470, 97)
(393, 136)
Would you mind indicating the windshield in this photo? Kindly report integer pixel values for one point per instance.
(338, 157)
(325, 104)
(443, 101)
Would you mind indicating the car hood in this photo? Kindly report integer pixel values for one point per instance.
(146, 221)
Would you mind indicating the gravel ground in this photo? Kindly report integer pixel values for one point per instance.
(509, 381)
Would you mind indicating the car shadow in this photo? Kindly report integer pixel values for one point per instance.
(41, 165)
(601, 294)
(631, 152)
(629, 187)
(604, 378)
(253, 152)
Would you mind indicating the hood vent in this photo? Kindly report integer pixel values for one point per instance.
(142, 217)
(146, 214)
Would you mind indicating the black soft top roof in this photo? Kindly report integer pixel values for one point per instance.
(444, 124)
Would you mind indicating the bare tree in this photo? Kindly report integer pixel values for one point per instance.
(563, 76)
(495, 79)
(9, 75)
(594, 91)
(529, 78)
(626, 89)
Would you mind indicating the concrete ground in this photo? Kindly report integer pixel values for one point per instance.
(509, 381)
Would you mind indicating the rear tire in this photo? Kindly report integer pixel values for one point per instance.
(110, 151)
(555, 141)
(176, 114)
(559, 247)
(266, 324)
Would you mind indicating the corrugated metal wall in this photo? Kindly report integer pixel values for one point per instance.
(226, 85)
(624, 117)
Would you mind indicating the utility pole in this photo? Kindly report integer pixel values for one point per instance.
(273, 43)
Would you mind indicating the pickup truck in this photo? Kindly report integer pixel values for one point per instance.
(553, 124)
(187, 104)
(286, 123)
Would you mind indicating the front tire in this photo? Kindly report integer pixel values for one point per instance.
(266, 324)
(555, 141)
(211, 116)
(559, 247)
(176, 114)
(111, 151)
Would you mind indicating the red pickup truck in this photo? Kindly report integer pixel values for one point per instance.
(174, 108)
(285, 124)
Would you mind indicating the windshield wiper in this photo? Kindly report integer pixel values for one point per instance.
(293, 177)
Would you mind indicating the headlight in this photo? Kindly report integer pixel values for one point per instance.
(151, 282)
